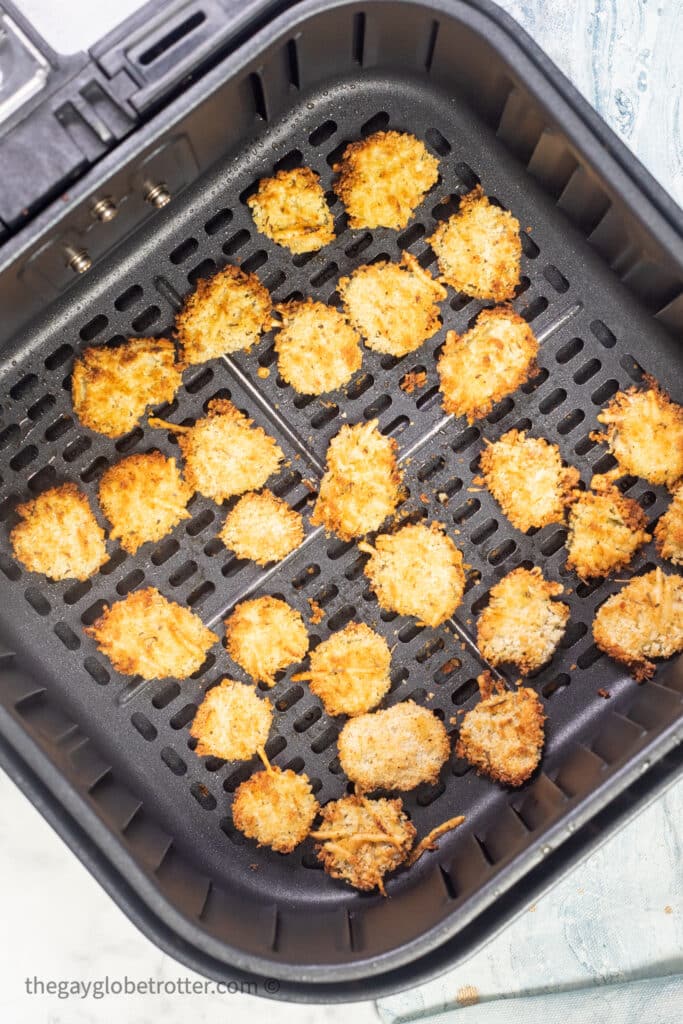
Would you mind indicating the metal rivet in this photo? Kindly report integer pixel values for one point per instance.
(158, 195)
(104, 209)
(77, 259)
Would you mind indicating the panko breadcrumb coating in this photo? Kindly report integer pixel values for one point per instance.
(290, 208)
(317, 348)
(362, 482)
(231, 722)
(641, 621)
(645, 433)
(147, 635)
(264, 636)
(394, 749)
(393, 305)
(276, 808)
(479, 250)
(143, 497)
(226, 313)
(262, 528)
(503, 735)
(669, 530)
(417, 571)
(112, 387)
(59, 535)
(526, 477)
(488, 362)
(349, 671)
(225, 454)
(605, 530)
(362, 840)
(384, 178)
(522, 625)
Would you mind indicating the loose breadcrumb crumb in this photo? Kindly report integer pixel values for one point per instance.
(479, 249)
(263, 528)
(393, 305)
(147, 635)
(410, 382)
(112, 387)
(669, 530)
(290, 208)
(58, 535)
(226, 313)
(383, 179)
(317, 348)
(396, 570)
(276, 808)
(362, 483)
(522, 625)
(526, 477)
(605, 530)
(349, 671)
(143, 497)
(232, 722)
(394, 749)
(488, 362)
(264, 636)
(641, 621)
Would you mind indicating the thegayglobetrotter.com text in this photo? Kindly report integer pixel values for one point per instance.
(108, 986)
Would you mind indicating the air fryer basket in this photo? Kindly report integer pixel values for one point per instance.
(109, 760)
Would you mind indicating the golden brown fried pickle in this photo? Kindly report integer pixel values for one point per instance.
(349, 671)
(641, 621)
(503, 735)
(290, 208)
(417, 571)
(59, 535)
(526, 477)
(231, 722)
(394, 749)
(276, 808)
(317, 348)
(488, 362)
(112, 387)
(645, 434)
(147, 635)
(384, 178)
(393, 305)
(479, 250)
(669, 530)
(226, 313)
(362, 840)
(264, 636)
(225, 454)
(143, 497)
(522, 625)
(362, 482)
(605, 530)
(262, 528)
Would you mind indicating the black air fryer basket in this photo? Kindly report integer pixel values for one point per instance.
(108, 761)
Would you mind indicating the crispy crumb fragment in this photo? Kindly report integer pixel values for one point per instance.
(263, 528)
(112, 387)
(410, 382)
(290, 208)
(317, 348)
(393, 305)
(605, 530)
(58, 535)
(264, 636)
(276, 808)
(349, 671)
(479, 249)
(485, 364)
(145, 634)
(669, 529)
(643, 620)
(317, 613)
(232, 722)
(383, 179)
(226, 313)
(522, 625)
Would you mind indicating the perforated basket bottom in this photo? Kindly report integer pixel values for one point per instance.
(592, 343)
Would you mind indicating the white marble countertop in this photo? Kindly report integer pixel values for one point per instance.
(624, 55)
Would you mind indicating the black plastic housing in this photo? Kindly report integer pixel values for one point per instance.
(108, 760)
